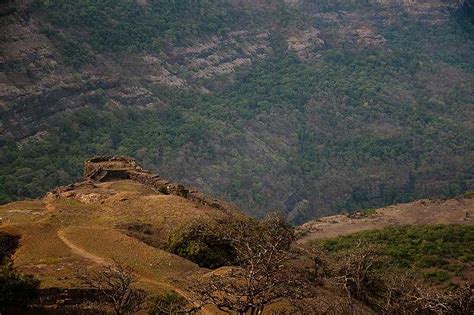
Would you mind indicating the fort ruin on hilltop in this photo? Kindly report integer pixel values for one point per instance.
(111, 168)
(106, 168)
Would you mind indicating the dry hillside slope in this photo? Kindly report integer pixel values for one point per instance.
(421, 212)
(81, 225)
(120, 210)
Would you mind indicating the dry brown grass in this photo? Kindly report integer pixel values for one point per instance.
(22, 212)
(149, 261)
(421, 212)
(79, 229)
(43, 254)
(87, 218)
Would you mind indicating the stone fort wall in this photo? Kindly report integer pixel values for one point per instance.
(107, 168)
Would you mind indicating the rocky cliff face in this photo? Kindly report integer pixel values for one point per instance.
(279, 97)
(36, 84)
(103, 169)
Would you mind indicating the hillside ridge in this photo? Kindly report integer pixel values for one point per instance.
(111, 168)
(421, 212)
(121, 212)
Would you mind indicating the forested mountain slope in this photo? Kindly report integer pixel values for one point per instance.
(166, 239)
(309, 106)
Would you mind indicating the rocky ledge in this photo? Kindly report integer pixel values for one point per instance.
(112, 168)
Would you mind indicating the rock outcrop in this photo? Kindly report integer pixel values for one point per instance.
(111, 168)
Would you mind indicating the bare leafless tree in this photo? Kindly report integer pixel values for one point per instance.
(264, 274)
(358, 280)
(365, 275)
(355, 271)
(115, 282)
(170, 303)
(405, 294)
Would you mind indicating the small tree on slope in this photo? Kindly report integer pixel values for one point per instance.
(115, 282)
(264, 275)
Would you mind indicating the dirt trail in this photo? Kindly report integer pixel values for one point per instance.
(102, 261)
(80, 251)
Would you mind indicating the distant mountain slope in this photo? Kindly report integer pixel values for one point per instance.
(421, 212)
(310, 107)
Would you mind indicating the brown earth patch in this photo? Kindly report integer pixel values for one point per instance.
(421, 212)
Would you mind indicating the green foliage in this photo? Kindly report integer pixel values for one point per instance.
(16, 289)
(129, 26)
(75, 54)
(465, 14)
(359, 127)
(57, 159)
(200, 243)
(437, 276)
(369, 211)
(8, 244)
(340, 5)
(444, 248)
(469, 194)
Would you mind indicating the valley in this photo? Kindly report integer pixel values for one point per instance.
(310, 107)
(237, 157)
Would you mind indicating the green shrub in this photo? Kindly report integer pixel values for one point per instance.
(200, 243)
(437, 276)
(8, 244)
(426, 261)
(369, 211)
(16, 289)
(448, 248)
(469, 194)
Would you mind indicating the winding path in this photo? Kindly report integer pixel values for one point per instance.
(102, 261)
(81, 251)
